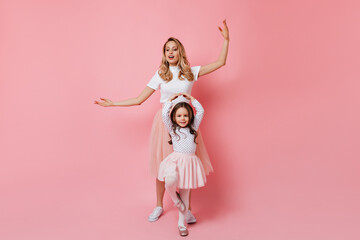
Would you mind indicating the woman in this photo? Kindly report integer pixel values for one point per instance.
(174, 76)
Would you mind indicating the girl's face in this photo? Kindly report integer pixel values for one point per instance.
(172, 53)
(182, 117)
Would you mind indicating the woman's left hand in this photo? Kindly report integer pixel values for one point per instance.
(225, 31)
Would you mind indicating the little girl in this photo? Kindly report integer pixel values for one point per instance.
(182, 168)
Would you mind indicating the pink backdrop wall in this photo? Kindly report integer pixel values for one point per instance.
(281, 125)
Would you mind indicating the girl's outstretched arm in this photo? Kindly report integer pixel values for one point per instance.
(223, 54)
(199, 110)
(145, 94)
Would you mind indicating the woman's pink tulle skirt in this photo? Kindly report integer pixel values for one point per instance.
(160, 148)
(186, 167)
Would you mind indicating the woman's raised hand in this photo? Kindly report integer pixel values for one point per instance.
(105, 102)
(224, 31)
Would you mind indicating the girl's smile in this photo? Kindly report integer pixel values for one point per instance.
(182, 117)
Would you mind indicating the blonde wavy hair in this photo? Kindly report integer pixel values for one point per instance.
(183, 64)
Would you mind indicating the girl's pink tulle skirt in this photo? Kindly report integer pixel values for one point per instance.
(186, 167)
(160, 148)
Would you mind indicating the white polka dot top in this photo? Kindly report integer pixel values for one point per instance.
(183, 142)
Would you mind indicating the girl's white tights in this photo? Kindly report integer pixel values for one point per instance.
(170, 186)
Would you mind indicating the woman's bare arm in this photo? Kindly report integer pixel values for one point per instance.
(144, 95)
(221, 61)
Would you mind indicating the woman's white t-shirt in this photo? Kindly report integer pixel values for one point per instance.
(167, 89)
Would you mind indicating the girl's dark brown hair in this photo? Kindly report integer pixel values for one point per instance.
(191, 119)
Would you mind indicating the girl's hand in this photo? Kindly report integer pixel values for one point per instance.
(105, 103)
(188, 96)
(174, 96)
(225, 31)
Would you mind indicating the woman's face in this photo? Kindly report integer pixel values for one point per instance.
(172, 53)
(182, 117)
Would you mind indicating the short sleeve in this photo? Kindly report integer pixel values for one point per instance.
(155, 81)
(195, 70)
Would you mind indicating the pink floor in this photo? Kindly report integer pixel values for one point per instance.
(96, 208)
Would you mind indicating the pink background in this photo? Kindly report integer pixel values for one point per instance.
(281, 125)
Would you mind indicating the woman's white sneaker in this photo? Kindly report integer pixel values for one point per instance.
(190, 218)
(154, 216)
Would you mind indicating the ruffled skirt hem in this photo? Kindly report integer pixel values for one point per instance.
(186, 167)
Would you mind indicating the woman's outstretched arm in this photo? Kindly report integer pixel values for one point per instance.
(223, 54)
(145, 94)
